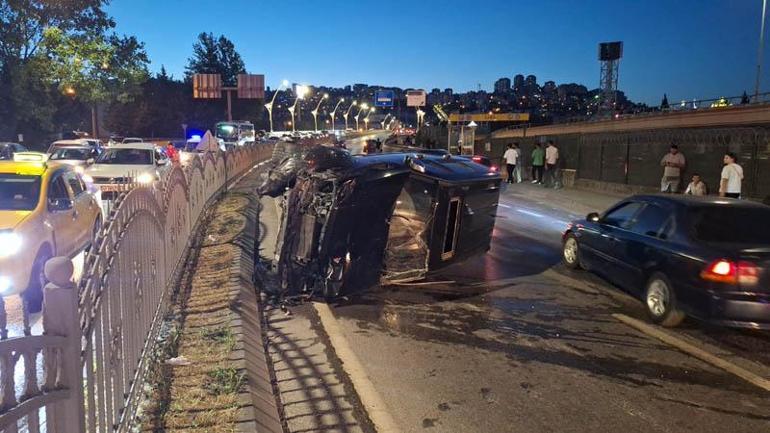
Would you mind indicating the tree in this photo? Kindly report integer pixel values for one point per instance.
(664, 102)
(215, 56)
(744, 98)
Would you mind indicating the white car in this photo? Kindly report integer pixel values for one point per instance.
(94, 144)
(79, 157)
(127, 164)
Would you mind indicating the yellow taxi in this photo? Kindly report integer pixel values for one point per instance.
(46, 210)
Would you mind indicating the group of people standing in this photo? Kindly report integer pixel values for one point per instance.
(544, 164)
(674, 162)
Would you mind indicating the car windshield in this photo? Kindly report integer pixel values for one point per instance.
(78, 154)
(126, 157)
(733, 225)
(18, 192)
(227, 131)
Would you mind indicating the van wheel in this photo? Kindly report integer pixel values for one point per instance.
(660, 301)
(33, 296)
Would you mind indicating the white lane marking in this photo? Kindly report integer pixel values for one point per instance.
(695, 351)
(505, 206)
(370, 398)
(529, 212)
(544, 216)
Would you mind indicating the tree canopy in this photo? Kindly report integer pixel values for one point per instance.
(215, 56)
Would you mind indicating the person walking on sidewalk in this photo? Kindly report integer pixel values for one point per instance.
(538, 161)
(673, 163)
(519, 163)
(732, 176)
(696, 187)
(551, 161)
(511, 158)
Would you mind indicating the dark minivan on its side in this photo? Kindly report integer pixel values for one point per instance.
(707, 257)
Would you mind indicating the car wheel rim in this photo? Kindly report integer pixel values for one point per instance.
(657, 298)
(570, 250)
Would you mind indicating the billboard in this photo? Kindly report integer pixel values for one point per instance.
(251, 86)
(486, 117)
(610, 50)
(207, 86)
(384, 98)
(415, 98)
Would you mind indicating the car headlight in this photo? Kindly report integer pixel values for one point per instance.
(5, 285)
(88, 179)
(185, 157)
(79, 169)
(145, 178)
(10, 244)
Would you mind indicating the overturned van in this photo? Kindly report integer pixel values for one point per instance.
(350, 223)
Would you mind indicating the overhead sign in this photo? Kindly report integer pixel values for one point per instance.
(251, 86)
(384, 98)
(415, 98)
(486, 117)
(207, 86)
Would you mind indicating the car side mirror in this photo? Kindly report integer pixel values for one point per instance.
(593, 217)
(161, 162)
(60, 204)
(90, 161)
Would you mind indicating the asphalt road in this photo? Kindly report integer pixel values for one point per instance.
(513, 342)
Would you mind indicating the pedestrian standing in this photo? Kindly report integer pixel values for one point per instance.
(551, 161)
(673, 163)
(519, 163)
(538, 161)
(511, 158)
(732, 176)
(171, 152)
(697, 186)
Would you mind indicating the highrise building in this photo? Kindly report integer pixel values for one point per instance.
(503, 86)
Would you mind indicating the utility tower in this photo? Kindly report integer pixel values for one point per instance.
(609, 56)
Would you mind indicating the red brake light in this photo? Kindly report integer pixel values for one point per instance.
(726, 271)
(493, 168)
(476, 158)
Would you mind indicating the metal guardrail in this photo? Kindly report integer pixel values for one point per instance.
(85, 373)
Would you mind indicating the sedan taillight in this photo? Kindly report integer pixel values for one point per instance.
(727, 271)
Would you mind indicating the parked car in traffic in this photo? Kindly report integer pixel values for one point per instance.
(7, 150)
(46, 210)
(123, 165)
(706, 257)
(94, 144)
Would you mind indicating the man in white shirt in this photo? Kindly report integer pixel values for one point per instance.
(673, 162)
(551, 161)
(511, 158)
(732, 176)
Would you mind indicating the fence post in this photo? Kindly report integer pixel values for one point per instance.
(60, 318)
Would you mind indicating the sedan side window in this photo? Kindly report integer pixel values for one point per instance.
(622, 216)
(650, 220)
(76, 185)
(57, 190)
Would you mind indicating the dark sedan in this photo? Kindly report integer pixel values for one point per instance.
(701, 256)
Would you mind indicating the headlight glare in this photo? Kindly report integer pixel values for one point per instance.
(10, 244)
(145, 178)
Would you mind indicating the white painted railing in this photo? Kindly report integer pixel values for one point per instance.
(85, 372)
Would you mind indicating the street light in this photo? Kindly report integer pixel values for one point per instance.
(366, 119)
(301, 91)
(384, 120)
(315, 112)
(347, 113)
(269, 105)
(334, 112)
(364, 106)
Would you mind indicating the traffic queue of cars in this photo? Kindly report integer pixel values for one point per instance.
(51, 203)
(706, 257)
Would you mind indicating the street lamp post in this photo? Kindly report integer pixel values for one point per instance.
(363, 107)
(315, 112)
(760, 50)
(366, 119)
(269, 105)
(334, 112)
(300, 91)
(347, 113)
(384, 120)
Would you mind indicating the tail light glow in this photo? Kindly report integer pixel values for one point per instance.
(729, 272)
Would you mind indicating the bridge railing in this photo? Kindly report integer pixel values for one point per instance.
(85, 372)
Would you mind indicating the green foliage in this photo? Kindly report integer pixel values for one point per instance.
(224, 381)
(215, 56)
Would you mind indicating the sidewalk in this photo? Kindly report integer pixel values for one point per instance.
(577, 202)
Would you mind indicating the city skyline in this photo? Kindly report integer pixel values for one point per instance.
(689, 50)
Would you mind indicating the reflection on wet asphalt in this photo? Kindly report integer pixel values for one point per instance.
(506, 347)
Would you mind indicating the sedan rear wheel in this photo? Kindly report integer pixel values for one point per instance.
(571, 252)
(660, 301)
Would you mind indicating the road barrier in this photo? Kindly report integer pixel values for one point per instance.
(85, 373)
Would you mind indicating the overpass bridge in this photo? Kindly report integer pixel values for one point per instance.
(623, 154)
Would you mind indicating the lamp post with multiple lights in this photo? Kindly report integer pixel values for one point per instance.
(334, 112)
(364, 106)
(366, 119)
(269, 105)
(347, 113)
(300, 91)
(315, 112)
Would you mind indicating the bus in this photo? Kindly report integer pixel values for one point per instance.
(235, 133)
